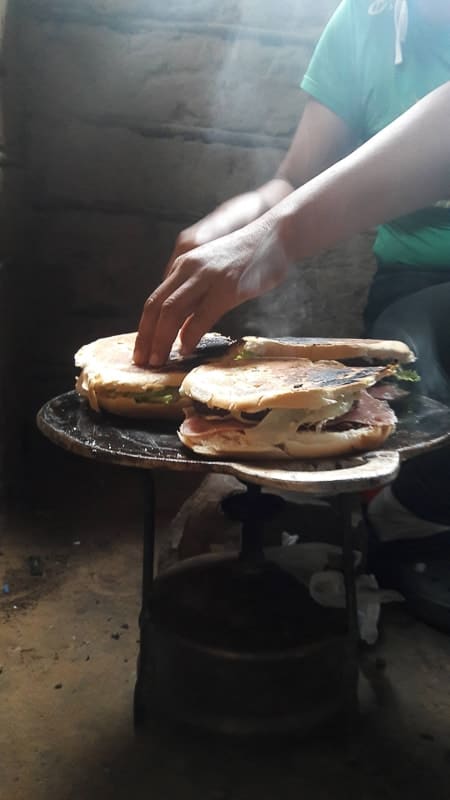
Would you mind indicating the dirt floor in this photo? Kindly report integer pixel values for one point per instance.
(68, 645)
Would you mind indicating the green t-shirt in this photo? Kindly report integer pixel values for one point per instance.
(353, 73)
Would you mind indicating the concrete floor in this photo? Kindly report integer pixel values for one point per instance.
(67, 667)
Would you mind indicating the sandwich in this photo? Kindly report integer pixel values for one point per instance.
(112, 382)
(354, 352)
(284, 408)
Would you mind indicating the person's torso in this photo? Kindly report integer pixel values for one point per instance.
(387, 90)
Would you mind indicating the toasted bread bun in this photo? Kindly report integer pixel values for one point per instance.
(304, 444)
(377, 350)
(276, 383)
(111, 381)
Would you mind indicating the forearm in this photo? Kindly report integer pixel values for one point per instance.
(321, 139)
(241, 210)
(403, 168)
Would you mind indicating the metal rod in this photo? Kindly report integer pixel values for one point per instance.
(148, 559)
(345, 515)
(149, 538)
(252, 524)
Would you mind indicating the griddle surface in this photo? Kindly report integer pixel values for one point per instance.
(69, 422)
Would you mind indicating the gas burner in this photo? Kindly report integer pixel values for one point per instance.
(252, 504)
(253, 508)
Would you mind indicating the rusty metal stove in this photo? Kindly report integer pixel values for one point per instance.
(234, 643)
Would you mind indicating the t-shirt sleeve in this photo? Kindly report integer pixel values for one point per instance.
(332, 75)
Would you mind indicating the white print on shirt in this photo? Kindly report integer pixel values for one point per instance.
(378, 6)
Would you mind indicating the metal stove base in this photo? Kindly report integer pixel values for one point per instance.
(224, 648)
(228, 693)
(238, 693)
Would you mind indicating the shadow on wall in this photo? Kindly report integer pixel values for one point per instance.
(16, 333)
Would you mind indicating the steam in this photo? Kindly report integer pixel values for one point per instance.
(243, 105)
(266, 269)
(275, 310)
(251, 95)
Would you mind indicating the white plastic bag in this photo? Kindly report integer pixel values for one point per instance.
(327, 588)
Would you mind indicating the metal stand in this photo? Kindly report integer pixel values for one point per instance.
(148, 568)
(68, 421)
(252, 509)
(344, 505)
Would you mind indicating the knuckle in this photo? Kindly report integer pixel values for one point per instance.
(185, 241)
(184, 265)
(178, 263)
(149, 304)
(225, 282)
(168, 307)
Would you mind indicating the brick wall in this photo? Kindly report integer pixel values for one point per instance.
(138, 117)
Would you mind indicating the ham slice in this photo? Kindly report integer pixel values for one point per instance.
(387, 391)
(199, 426)
(369, 410)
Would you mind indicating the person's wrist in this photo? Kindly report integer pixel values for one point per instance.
(293, 231)
(275, 227)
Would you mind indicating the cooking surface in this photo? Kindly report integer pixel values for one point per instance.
(69, 422)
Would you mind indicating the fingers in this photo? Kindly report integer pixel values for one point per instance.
(174, 312)
(200, 322)
(147, 323)
(164, 313)
(150, 315)
(191, 310)
(170, 263)
(142, 344)
(203, 284)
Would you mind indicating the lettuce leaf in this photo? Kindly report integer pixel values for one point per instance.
(410, 375)
(165, 396)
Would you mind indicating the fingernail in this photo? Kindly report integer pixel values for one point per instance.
(154, 360)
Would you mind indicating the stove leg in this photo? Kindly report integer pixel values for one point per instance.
(351, 684)
(252, 528)
(144, 656)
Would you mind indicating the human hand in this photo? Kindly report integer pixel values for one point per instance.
(229, 216)
(205, 283)
(188, 239)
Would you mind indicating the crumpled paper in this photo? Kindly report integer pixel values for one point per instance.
(327, 588)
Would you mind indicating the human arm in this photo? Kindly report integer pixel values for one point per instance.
(401, 169)
(320, 140)
(229, 216)
(327, 131)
